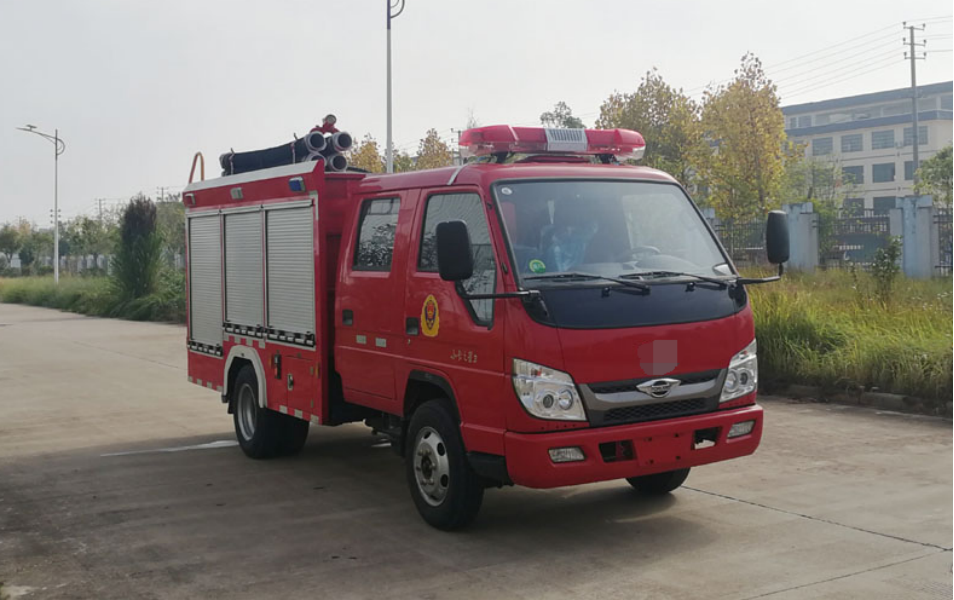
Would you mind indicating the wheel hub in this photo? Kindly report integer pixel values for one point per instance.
(247, 411)
(431, 466)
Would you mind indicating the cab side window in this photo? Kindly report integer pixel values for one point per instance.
(376, 227)
(470, 209)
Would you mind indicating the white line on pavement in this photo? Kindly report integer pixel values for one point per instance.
(208, 446)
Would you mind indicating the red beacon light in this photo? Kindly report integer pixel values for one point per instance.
(482, 141)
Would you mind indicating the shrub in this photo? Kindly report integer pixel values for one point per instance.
(137, 262)
(885, 269)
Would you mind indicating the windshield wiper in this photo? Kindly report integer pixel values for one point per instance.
(720, 282)
(577, 275)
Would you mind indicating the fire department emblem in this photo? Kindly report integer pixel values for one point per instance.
(430, 317)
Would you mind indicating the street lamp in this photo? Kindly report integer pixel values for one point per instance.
(395, 8)
(59, 146)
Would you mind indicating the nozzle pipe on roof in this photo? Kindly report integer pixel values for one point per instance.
(315, 142)
(336, 163)
(341, 141)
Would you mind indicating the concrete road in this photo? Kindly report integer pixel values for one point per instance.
(113, 485)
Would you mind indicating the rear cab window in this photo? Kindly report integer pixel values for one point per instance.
(377, 224)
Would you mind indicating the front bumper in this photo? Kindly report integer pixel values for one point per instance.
(657, 446)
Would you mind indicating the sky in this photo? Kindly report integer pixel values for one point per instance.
(135, 88)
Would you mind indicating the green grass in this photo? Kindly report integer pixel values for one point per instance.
(97, 296)
(829, 330)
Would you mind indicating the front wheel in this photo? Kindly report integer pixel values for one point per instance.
(446, 490)
(659, 483)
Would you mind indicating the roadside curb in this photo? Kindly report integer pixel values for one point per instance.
(878, 400)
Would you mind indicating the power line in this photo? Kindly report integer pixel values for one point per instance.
(842, 77)
(822, 85)
(929, 19)
(823, 52)
(854, 43)
(838, 45)
(878, 41)
(820, 71)
(840, 70)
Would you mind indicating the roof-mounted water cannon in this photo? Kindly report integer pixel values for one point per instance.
(623, 144)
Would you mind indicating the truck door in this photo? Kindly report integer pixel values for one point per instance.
(458, 339)
(369, 323)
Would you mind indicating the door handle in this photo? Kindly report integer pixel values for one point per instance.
(347, 317)
(412, 325)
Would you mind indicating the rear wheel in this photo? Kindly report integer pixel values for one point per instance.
(446, 490)
(659, 483)
(263, 433)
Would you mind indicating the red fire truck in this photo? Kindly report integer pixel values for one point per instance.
(542, 315)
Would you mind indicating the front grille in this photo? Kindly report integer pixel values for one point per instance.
(616, 387)
(652, 412)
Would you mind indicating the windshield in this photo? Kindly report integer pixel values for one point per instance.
(608, 228)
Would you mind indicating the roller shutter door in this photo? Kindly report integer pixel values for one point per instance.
(291, 270)
(205, 280)
(244, 295)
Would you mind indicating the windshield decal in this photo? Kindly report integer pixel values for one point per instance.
(537, 266)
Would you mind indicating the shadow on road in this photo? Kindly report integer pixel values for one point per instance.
(339, 509)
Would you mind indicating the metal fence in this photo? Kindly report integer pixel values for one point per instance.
(745, 242)
(852, 237)
(942, 220)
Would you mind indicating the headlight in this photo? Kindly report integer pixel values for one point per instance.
(547, 393)
(743, 375)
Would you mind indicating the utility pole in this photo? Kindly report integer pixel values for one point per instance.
(59, 147)
(395, 8)
(161, 192)
(912, 54)
(99, 205)
(458, 159)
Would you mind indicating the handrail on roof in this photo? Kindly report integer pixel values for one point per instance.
(198, 157)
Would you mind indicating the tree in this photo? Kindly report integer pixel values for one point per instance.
(9, 242)
(809, 179)
(33, 245)
(137, 263)
(403, 162)
(821, 182)
(366, 155)
(472, 120)
(744, 125)
(433, 152)
(934, 177)
(561, 116)
(90, 236)
(170, 225)
(667, 119)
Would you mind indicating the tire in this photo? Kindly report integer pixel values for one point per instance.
(296, 433)
(659, 483)
(444, 487)
(261, 433)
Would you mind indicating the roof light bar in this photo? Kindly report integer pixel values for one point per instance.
(622, 143)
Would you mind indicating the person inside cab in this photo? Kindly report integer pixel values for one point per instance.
(566, 242)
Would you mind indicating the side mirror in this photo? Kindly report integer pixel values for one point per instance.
(455, 259)
(776, 237)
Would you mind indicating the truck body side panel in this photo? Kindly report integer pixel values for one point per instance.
(287, 330)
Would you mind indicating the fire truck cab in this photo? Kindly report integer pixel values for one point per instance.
(542, 316)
